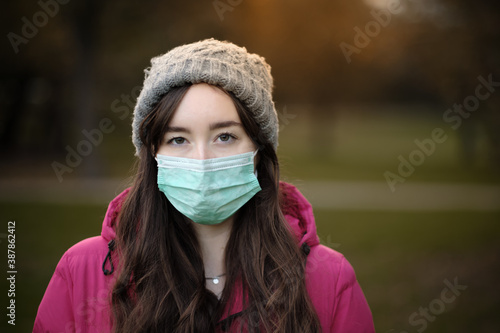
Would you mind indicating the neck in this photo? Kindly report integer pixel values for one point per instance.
(213, 240)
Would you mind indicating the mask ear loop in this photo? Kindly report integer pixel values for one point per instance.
(256, 173)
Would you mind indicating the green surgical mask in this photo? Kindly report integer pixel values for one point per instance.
(208, 191)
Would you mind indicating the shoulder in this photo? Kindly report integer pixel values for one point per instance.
(89, 247)
(85, 256)
(329, 268)
(81, 268)
(335, 292)
(77, 296)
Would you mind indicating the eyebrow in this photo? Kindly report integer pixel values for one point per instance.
(213, 126)
(224, 124)
(177, 129)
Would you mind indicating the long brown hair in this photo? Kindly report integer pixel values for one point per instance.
(161, 280)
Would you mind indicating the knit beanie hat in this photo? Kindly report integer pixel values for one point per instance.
(223, 64)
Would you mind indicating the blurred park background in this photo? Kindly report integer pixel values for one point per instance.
(390, 125)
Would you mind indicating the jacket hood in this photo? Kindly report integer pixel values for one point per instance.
(295, 207)
(299, 214)
(111, 217)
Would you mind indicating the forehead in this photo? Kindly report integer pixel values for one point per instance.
(204, 104)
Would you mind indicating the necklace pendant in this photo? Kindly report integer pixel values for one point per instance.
(215, 279)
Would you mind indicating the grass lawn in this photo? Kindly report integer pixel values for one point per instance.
(401, 259)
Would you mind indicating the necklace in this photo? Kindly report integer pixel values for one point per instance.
(215, 279)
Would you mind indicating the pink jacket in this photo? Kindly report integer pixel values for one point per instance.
(77, 297)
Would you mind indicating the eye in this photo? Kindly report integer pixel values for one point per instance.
(226, 137)
(176, 141)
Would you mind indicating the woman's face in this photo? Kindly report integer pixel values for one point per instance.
(205, 125)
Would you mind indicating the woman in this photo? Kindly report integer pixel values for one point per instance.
(207, 239)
